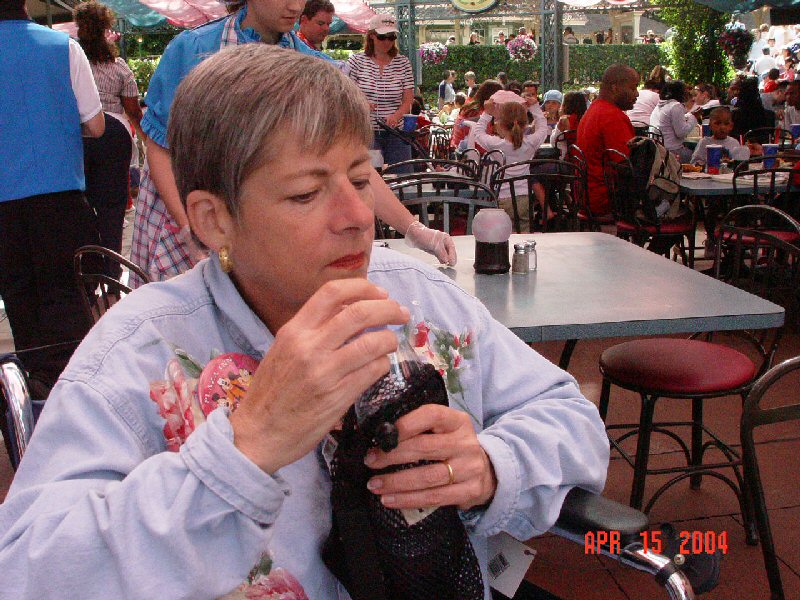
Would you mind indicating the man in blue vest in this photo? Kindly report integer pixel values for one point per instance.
(48, 99)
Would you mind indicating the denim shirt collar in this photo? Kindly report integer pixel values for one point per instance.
(247, 35)
(244, 326)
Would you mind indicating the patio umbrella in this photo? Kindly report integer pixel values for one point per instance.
(742, 6)
(191, 13)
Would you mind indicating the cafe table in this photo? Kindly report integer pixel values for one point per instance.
(595, 285)
(700, 185)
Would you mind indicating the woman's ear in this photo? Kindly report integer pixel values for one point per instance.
(210, 219)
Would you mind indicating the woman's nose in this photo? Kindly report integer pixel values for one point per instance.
(353, 208)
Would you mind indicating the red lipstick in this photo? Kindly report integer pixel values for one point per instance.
(351, 262)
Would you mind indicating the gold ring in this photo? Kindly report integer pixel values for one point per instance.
(450, 473)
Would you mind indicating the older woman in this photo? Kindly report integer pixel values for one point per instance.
(278, 186)
(385, 77)
(162, 244)
(107, 159)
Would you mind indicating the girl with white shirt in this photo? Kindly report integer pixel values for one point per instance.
(517, 141)
(671, 118)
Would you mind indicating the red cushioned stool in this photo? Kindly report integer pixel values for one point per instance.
(747, 257)
(677, 368)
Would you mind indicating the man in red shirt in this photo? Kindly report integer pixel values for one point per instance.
(315, 22)
(605, 125)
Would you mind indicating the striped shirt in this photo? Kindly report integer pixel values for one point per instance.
(114, 81)
(383, 86)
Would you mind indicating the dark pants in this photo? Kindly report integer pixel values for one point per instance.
(393, 148)
(38, 237)
(106, 164)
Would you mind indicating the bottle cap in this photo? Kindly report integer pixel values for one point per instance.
(520, 248)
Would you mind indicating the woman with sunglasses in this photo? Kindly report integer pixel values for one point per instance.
(385, 77)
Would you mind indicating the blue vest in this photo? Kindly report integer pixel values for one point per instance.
(41, 150)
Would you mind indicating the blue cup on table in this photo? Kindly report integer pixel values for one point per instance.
(769, 150)
(706, 129)
(713, 158)
(795, 129)
(409, 123)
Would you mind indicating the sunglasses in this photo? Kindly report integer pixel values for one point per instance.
(386, 36)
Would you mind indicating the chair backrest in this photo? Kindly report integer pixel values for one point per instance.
(558, 179)
(564, 140)
(617, 174)
(439, 141)
(98, 290)
(646, 130)
(16, 408)
(490, 162)
(424, 166)
(771, 135)
(444, 202)
(753, 417)
(767, 184)
(760, 262)
(581, 187)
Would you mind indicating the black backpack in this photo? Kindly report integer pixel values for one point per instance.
(654, 185)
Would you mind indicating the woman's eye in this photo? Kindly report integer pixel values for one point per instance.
(303, 198)
(360, 184)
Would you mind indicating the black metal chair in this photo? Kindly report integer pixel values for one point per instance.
(756, 416)
(424, 166)
(586, 218)
(777, 186)
(490, 162)
(444, 202)
(439, 141)
(16, 408)
(646, 130)
(633, 224)
(564, 140)
(99, 291)
(699, 369)
(771, 135)
(559, 180)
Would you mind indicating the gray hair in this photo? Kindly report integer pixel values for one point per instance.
(229, 107)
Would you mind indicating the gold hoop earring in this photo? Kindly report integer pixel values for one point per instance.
(225, 260)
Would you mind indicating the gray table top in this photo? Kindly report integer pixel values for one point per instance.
(595, 285)
(711, 187)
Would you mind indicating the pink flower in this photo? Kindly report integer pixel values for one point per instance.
(174, 400)
(455, 341)
(278, 585)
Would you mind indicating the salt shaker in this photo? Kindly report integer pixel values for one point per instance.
(530, 247)
(519, 262)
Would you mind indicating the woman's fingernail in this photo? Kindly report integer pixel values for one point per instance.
(387, 500)
(406, 312)
(370, 459)
(374, 484)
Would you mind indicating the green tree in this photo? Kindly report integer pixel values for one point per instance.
(696, 52)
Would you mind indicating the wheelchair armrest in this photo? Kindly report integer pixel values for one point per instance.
(584, 511)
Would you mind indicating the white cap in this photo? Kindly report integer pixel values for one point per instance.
(383, 24)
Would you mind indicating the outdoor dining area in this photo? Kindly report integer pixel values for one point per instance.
(634, 326)
(600, 303)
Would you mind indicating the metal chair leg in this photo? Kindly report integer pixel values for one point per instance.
(697, 442)
(605, 396)
(642, 451)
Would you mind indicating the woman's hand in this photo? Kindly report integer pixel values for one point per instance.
(436, 242)
(320, 363)
(563, 123)
(393, 120)
(434, 433)
(489, 107)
